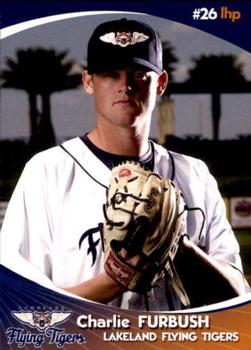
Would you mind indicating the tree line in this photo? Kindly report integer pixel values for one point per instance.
(40, 72)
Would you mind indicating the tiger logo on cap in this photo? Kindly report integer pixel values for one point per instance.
(123, 39)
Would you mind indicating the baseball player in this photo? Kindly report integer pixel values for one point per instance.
(69, 200)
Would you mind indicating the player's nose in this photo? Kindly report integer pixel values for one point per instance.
(126, 83)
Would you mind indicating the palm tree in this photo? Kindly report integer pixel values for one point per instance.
(40, 72)
(169, 59)
(21, 75)
(165, 106)
(216, 75)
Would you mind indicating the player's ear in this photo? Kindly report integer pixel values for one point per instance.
(87, 81)
(162, 83)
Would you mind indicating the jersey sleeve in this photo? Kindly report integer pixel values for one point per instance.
(26, 240)
(220, 240)
(208, 226)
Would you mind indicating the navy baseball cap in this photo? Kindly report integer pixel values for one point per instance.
(124, 43)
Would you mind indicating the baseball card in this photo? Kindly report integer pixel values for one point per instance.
(125, 183)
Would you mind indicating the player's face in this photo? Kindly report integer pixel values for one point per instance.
(125, 96)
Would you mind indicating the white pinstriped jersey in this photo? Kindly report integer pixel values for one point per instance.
(52, 228)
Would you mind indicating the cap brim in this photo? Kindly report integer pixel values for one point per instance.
(104, 66)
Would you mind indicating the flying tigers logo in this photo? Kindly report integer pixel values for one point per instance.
(47, 331)
(41, 320)
(123, 39)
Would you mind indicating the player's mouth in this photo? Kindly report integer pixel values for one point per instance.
(124, 102)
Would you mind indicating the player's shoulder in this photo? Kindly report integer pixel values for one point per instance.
(182, 162)
(54, 157)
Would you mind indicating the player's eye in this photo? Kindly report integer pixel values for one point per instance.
(140, 75)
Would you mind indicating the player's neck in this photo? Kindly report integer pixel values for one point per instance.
(122, 141)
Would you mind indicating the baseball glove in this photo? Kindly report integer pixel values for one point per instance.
(144, 222)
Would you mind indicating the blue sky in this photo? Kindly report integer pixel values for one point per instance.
(73, 112)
